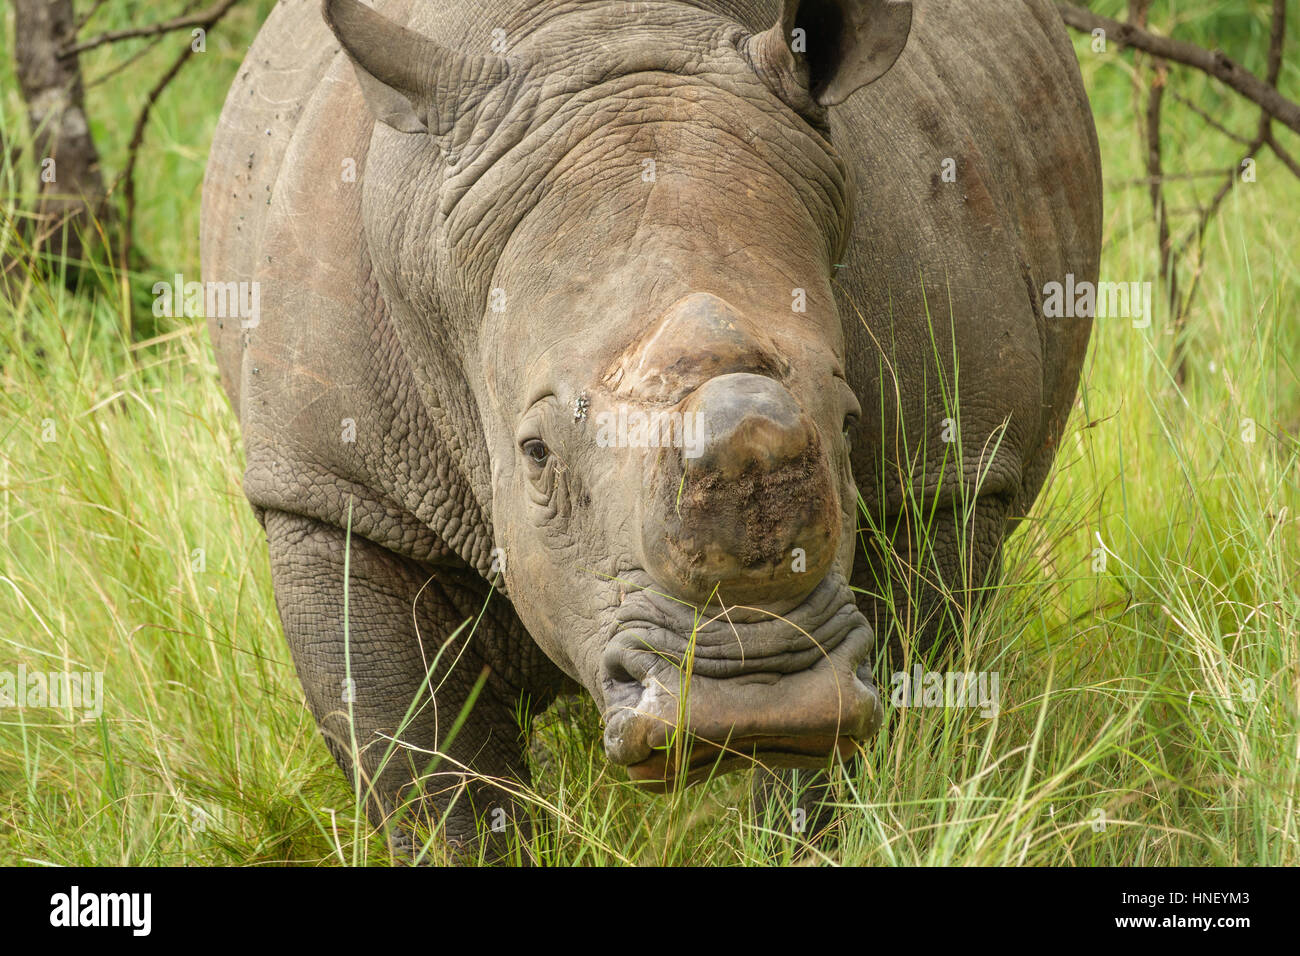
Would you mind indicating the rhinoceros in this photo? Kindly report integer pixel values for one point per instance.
(602, 343)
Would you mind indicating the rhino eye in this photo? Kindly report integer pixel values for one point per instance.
(536, 451)
(849, 422)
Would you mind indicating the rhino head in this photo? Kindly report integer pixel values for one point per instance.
(608, 249)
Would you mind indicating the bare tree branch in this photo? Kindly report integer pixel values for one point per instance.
(1276, 34)
(1215, 63)
(1276, 38)
(1159, 209)
(1263, 93)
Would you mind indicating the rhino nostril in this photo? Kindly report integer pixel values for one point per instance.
(622, 687)
(619, 674)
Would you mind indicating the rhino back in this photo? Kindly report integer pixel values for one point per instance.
(282, 69)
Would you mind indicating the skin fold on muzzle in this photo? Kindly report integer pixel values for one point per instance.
(785, 685)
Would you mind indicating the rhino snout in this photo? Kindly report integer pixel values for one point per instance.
(751, 514)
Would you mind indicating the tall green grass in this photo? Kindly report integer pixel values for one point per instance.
(1145, 630)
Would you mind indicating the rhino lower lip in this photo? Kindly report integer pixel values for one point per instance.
(666, 768)
(817, 714)
(787, 691)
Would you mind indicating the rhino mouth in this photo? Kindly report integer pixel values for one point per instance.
(690, 695)
(669, 768)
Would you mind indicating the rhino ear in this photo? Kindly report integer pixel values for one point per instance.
(834, 47)
(410, 83)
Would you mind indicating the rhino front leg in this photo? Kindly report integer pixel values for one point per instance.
(400, 614)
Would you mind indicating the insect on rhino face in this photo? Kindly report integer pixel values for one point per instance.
(635, 233)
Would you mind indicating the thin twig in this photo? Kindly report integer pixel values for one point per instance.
(1210, 120)
(133, 151)
(138, 54)
(127, 176)
(1159, 210)
(1282, 154)
(205, 19)
(1137, 15)
(81, 23)
(1172, 177)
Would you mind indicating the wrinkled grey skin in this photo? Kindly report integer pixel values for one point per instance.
(442, 335)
